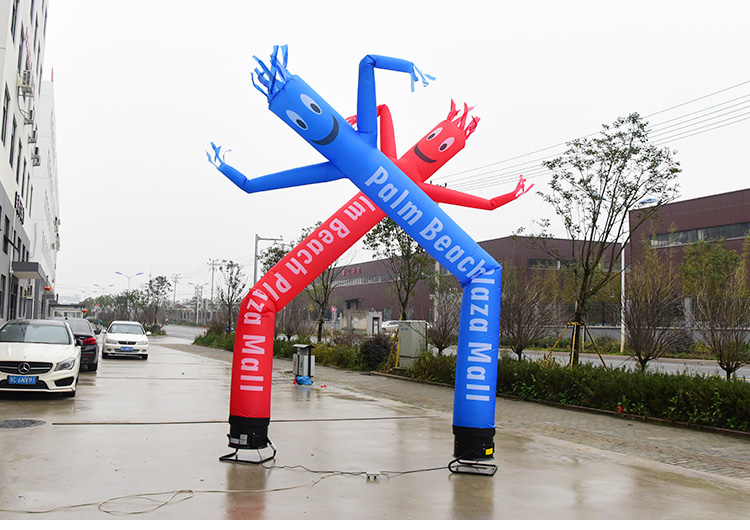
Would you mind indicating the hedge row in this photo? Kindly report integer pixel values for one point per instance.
(691, 399)
(365, 354)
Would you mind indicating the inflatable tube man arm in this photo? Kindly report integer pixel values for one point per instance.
(366, 99)
(447, 196)
(314, 174)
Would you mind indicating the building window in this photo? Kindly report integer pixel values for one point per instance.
(688, 237)
(7, 233)
(13, 141)
(6, 108)
(20, 53)
(14, 19)
(2, 295)
(19, 175)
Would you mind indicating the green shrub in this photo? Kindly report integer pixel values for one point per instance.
(435, 368)
(339, 355)
(375, 351)
(214, 339)
(698, 400)
(283, 348)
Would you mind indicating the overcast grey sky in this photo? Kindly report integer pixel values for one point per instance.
(143, 87)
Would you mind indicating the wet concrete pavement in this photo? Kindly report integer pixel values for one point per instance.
(141, 440)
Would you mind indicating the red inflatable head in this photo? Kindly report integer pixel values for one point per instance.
(440, 144)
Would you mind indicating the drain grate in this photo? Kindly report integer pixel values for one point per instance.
(19, 424)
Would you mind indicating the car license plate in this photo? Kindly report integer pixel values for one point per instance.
(126, 348)
(22, 379)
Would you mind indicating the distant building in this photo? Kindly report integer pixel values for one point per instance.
(66, 310)
(29, 206)
(365, 286)
(678, 224)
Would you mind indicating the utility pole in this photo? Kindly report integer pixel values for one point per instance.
(175, 279)
(213, 263)
(255, 259)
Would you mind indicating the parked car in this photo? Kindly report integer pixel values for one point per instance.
(83, 330)
(390, 326)
(125, 338)
(39, 355)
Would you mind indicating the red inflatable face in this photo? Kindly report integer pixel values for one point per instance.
(440, 144)
(433, 151)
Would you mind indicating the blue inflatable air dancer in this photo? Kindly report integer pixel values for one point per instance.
(353, 154)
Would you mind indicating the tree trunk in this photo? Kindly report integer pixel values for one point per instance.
(577, 336)
(321, 322)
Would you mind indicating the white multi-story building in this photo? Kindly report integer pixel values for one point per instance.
(29, 206)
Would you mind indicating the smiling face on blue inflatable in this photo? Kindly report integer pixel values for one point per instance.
(307, 113)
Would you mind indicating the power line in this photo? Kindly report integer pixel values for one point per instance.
(531, 169)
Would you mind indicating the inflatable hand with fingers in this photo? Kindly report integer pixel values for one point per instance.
(388, 186)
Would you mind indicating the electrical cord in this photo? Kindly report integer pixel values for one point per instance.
(175, 497)
(181, 495)
(332, 472)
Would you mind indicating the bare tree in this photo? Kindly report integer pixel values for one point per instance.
(292, 319)
(593, 186)
(231, 291)
(321, 288)
(446, 296)
(127, 304)
(717, 279)
(155, 297)
(653, 316)
(527, 307)
(406, 262)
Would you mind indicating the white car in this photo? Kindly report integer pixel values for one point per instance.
(390, 326)
(39, 355)
(125, 338)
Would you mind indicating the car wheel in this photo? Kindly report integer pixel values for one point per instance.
(93, 367)
(105, 355)
(72, 393)
(144, 357)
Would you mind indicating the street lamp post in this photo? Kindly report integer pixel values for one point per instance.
(129, 277)
(127, 301)
(255, 260)
(96, 306)
(198, 298)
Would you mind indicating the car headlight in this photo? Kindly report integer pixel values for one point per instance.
(111, 342)
(67, 364)
(143, 343)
